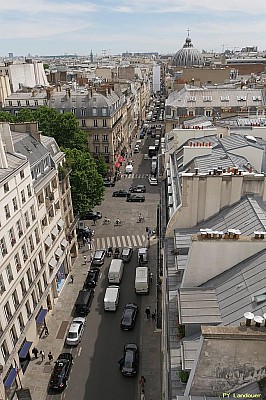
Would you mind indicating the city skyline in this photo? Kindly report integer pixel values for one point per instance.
(111, 27)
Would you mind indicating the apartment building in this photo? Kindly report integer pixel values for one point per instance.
(35, 250)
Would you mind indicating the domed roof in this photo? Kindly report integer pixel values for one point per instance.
(188, 56)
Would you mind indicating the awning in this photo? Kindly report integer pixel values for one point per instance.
(24, 350)
(41, 316)
(60, 223)
(48, 241)
(64, 243)
(59, 252)
(11, 377)
(54, 231)
(52, 262)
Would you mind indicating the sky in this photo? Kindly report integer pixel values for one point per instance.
(53, 27)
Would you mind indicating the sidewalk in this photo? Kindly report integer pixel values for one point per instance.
(38, 373)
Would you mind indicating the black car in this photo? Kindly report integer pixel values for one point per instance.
(120, 193)
(129, 361)
(92, 215)
(126, 254)
(137, 189)
(129, 316)
(61, 371)
(108, 183)
(92, 278)
(136, 197)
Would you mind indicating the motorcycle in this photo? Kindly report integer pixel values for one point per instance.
(106, 221)
(116, 253)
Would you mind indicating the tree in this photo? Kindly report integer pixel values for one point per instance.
(25, 115)
(7, 117)
(101, 165)
(86, 183)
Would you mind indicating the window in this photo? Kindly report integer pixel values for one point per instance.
(73, 111)
(224, 98)
(15, 299)
(39, 285)
(83, 123)
(12, 237)
(37, 237)
(10, 103)
(2, 285)
(96, 138)
(19, 228)
(35, 265)
(19, 103)
(36, 103)
(44, 280)
(31, 243)
(208, 113)
(9, 273)
(95, 123)
(7, 212)
(105, 138)
(24, 252)
(4, 351)
(29, 277)
(23, 198)
(27, 221)
(23, 287)
(34, 299)
(6, 187)
(207, 98)
(104, 111)
(33, 215)
(22, 174)
(104, 123)
(29, 190)
(15, 204)
(27, 103)
(40, 199)
(94, 111)
(7, 312)
(83, 112)
(28, 309)
(96, 150)
(3, 248)
(17, 262)
(106, 149)
(21, 322)
(13, 335)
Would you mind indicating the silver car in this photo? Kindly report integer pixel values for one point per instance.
(75, 331)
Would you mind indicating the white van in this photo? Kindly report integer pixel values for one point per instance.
(115, 271)
(111, 298)
(129, 169)
(142, 255)
(142, 280)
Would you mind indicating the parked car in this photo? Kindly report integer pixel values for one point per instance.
(92, 278)
(153, 180)
(61, 371)
(136, 150)
(92, 215)
(136, 197)
(137, 189)
(120, 193)
(126, 254)
(108, 183)
(75, 331)
(129, 316)
(129, 361)
(98, 258)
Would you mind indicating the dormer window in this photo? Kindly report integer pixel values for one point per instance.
(224, 98)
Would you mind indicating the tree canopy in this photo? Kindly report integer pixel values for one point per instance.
(86, 177)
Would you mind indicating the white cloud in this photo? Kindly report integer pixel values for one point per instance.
(46, 7)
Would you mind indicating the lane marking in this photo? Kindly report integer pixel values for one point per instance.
(139, 240)
(124, 241)
(108, 241)
(113, 241)
(133, 240)
(79, 352)
(118, 241)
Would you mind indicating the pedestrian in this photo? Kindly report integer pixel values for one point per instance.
(142, 381)
(142, 396)
(153, 316)
(46, 332)
(50, 356)
(35, 352)
(42, 353)
(151, 276)
(85, 259)
(148, 312)
(84, 240)
(72, 278)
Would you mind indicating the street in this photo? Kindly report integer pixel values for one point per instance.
(95, 374)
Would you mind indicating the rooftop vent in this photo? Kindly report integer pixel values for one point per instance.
(249, 317)
(258, 320)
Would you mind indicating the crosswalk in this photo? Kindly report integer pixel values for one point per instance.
(132, 176)
(120, 241)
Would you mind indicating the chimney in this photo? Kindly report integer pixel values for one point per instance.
(6, 135)
(249, 317)
(258, 320)
(3, 159)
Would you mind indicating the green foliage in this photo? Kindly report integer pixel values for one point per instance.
(25, 115)
(101, 165)
(7, 117)
(183, 375)
(45, 66)
(86, 183)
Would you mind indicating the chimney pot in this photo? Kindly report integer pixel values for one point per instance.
(249, 317)
(258, 320)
